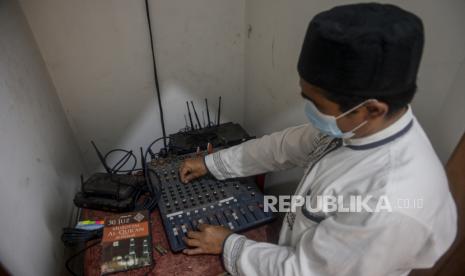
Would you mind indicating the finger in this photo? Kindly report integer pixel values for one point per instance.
(203, 226)
(191, 242)
(185, 172)
(183, 169)
(180, 168)
(194, 234)
(193, 251)
(189, 177)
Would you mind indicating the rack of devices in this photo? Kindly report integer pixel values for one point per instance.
(197, 135)
(110, 191)
(236, 203)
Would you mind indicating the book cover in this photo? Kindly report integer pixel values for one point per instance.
(126, 242)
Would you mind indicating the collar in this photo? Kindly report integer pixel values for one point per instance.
(392, 132)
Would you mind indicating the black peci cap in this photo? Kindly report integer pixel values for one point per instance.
(363, 50)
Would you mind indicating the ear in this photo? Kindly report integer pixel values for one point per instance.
(376, 109)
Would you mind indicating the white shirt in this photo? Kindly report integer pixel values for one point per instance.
(397, 163)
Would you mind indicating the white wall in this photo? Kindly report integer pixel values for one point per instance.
(98, 55)
(276, 31)
(39, 160)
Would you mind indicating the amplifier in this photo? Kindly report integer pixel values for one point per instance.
(235, 203)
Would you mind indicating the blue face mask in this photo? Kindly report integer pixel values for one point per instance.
(327, 123)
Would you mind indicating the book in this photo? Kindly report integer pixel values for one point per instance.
(126, 242)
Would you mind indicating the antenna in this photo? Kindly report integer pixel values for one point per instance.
(82, 182)
(196, 116)
(203, 118)
(142, 160)
(100, 157)
(185, 120)
(208, 112)
(219, 112)
(190, 116)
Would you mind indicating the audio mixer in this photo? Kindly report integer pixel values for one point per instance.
(234, 203)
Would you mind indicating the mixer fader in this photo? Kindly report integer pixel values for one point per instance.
(235, 203)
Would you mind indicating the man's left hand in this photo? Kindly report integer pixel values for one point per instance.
(208, 240)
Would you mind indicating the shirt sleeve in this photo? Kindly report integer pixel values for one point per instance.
(278, 151)
(386, 246)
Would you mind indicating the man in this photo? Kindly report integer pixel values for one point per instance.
(358, 70)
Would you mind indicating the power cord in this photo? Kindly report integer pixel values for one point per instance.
(154, 190)
(155, 74)
(73, 236)
(68, 261)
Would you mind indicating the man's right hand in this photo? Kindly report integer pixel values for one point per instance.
(192, 168)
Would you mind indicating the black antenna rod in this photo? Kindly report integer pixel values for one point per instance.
(100, 157)
(219, 111)
(203, 119)
(196, 116)
(82, 183)
(157, 85)
(142, 160)
(190, 116)
(208, 112)
(185, 120)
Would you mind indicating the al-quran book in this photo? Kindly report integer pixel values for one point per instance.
(126, 242)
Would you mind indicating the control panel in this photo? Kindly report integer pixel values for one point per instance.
(235, 203)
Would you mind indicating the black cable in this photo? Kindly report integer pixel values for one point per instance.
(74, 236)
(154, 190)
(122, 162)
(68, 261)
(157, 86)
(147, 152)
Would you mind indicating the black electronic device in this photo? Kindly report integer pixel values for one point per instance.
(197, 136)
(224, 135)
(235, 203)
(83, 200)
(110, 191)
